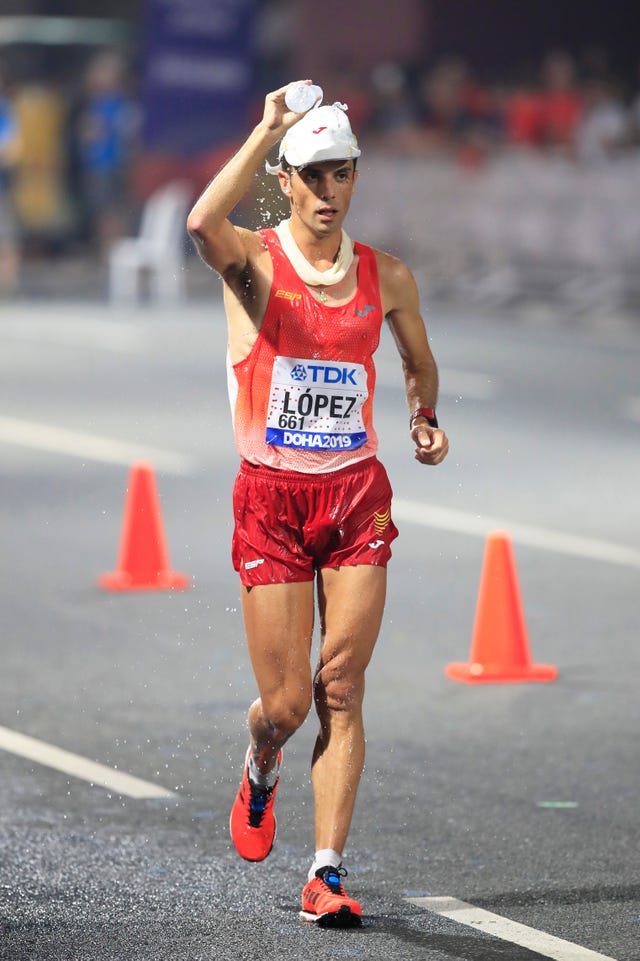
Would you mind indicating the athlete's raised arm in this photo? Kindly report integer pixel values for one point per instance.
(223, 246)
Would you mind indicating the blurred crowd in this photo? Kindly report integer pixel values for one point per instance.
(65, 164)
(582, 114)
(66, 159)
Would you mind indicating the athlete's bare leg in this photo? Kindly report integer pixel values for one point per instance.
(278, 622)
(351, 607)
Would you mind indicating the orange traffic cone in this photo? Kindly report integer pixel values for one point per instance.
(143, 562)
(499, 646)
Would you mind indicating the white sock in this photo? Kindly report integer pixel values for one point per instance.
(324, 858)
(263, 780)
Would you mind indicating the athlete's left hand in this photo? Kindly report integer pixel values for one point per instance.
(432, 445)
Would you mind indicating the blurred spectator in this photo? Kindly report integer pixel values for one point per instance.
(40, 196)
(603, 131)
(522, 115)
(105, 129)
(560, 101)
(9, 153)
(445, 93)
(274, 32)
(458, 114)
(394, 115)
(346, 86)
(545, 114)
(634, 119)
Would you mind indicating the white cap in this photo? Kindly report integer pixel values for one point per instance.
(324, 133)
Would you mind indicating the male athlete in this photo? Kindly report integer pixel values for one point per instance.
(311, 501)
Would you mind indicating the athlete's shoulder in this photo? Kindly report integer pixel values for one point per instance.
(392, 267)
(249, 278)
(398, 288)
(256, 241)
(255, 245)
(393, 272)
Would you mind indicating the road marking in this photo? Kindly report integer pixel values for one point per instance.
(80, 767)
(112, 336)
(59, 440)
(561, 805)
(506, 930)
(480, 525)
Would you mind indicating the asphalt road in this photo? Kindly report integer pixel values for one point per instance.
(521, 799)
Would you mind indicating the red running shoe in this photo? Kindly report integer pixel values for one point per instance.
(324, 901)
(252, 822)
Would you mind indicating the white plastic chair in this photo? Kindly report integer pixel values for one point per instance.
(158, 249)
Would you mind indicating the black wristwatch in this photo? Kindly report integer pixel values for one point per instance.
(428, 413)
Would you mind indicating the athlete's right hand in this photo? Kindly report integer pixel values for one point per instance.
(432, 444)
(277, 116)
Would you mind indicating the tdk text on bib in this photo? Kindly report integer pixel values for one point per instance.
(316, 404)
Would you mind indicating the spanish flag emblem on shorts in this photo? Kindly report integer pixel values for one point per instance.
(381, 520)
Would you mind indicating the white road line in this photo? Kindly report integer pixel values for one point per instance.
(59, 440)
(80, 767)
(87, 335)
(506, 930)
(460, 522)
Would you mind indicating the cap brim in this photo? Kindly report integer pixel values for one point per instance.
(321, 156)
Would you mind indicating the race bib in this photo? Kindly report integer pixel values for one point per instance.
(316, 404)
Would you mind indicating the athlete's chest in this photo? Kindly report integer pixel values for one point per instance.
(306, 327)
(342, 318)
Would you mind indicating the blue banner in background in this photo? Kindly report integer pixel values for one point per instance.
(197, 72)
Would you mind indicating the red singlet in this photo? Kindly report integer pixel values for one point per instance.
(302, 399)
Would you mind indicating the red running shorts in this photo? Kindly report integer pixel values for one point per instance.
(288, 525)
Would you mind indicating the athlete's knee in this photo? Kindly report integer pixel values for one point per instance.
(339, 684)
(285, 713)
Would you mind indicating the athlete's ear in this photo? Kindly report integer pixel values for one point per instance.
(285, 182)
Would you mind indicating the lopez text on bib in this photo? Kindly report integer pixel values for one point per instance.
(316, 404)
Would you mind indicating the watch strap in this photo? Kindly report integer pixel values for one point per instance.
(428, 413)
